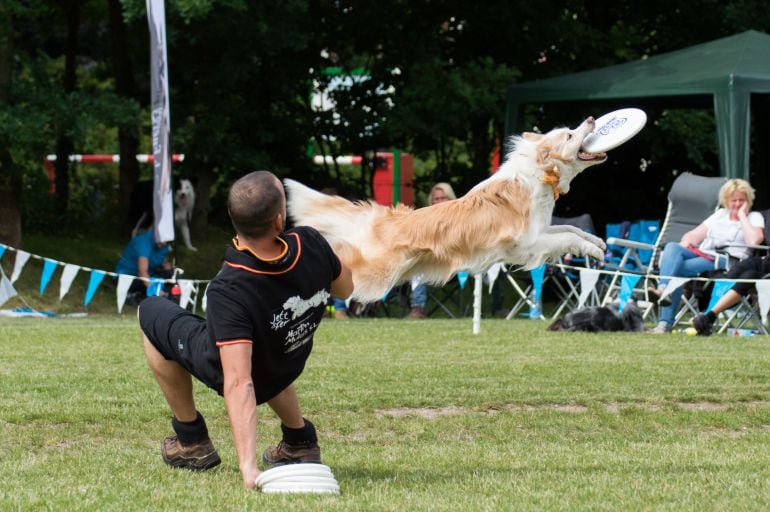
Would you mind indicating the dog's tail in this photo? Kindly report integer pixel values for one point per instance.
(333, 216)
(347, 226)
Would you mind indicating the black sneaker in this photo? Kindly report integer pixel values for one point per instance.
(286, 453)
(198, 456)
(654, 295)
(703, 325)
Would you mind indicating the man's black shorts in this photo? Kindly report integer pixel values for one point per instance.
(182, 337)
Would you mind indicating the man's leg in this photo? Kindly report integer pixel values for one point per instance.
(191, 447)
(299, 442)
(174, 381)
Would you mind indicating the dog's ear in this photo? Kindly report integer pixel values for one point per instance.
(531, 136)
(543, 153)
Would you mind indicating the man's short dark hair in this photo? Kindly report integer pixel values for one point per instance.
(253, 202)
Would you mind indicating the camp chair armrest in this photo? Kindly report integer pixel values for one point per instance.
(622, 242)
(723, 248)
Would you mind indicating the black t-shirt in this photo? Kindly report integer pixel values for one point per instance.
(276, 304)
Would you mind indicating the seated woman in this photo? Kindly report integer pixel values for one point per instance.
(754, 267)
(695, 253)
(438, 194)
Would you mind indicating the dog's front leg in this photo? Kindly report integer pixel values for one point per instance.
(554, 245)
(564, 228)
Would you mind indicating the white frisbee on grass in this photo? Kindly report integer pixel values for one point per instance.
(613, 129)
(298, 478)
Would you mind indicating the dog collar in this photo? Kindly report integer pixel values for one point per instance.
(551, 177)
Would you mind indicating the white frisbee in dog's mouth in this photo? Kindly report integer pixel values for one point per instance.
(613, 129)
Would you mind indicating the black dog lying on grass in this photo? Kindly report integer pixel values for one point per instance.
(599, 319)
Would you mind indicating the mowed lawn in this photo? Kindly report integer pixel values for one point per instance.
(412, 415)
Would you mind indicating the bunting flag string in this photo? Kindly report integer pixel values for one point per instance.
(96, 276)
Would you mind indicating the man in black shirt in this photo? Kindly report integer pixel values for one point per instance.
(263, 308)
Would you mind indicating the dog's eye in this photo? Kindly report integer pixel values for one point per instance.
(569, 136)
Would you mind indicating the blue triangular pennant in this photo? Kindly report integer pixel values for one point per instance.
(156, 286)
(462, 277)
(627, 284)
(2, 250)
(49, 266)
(93, 283)
(537, 275)
(720, 288)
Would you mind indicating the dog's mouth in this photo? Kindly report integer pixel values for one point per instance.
(588, 157)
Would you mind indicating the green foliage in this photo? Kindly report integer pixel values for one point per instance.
(241, 72)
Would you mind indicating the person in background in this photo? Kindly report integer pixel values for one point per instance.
(438, 194)
(754, 267)
(696, 252)
(145, 258)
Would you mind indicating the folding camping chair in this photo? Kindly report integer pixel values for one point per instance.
(692, 199)
(746, 312)
(559, 277)
(565, 279)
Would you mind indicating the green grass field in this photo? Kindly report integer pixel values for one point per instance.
(412, 415)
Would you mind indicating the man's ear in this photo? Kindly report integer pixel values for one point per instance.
(278, 222)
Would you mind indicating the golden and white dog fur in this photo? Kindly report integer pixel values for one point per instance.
(505, 218)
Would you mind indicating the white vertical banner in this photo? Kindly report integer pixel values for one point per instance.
(21, 259)
(163, 206)
(67, 276)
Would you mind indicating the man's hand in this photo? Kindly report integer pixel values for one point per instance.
(250, 477)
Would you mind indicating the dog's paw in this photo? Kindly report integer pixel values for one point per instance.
(597, 241)
(594, 251)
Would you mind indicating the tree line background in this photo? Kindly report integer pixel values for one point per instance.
(74, 78)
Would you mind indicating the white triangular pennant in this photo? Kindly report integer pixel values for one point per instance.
(588, 279)
(124, 283)
(6, 289)
(21, 260)
(492, 274)
(672, 285)
(763, 293)
(186, 286)
(203, 300)
(67, 276)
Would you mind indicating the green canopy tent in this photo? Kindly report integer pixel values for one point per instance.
(729, 70)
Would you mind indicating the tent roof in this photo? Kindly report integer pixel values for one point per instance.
(701, 69)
